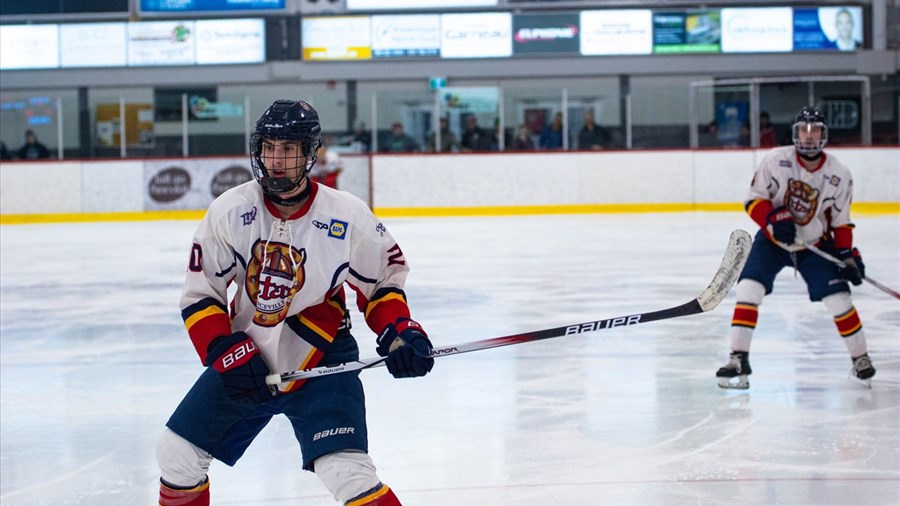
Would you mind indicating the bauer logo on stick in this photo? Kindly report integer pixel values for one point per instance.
(621, 321)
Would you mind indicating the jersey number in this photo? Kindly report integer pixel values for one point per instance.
(196, 262)
(396, 257)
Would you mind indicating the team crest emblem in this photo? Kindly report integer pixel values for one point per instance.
(275, 274)
(802, 200)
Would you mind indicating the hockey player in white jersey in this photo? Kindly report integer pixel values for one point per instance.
(288, 245)
(800, 194)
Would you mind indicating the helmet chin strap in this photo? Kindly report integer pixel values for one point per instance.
(290, 201)
(810, 158)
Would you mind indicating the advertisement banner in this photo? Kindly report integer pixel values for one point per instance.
(191, 184)
(92, 45)
(545, 33)
(687, 32)
(209, 5)
(757, 30)
(616, 32)
(828, 28)
(336, 38)
(161, 43)
(365, 5)
(29, 47)
(230, 41)
(487, 35)
(405, 36)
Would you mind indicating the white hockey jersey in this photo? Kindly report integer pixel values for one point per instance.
(289, 274)
(818, 199)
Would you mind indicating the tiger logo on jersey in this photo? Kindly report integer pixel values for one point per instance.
(274, 274)
(802, 200)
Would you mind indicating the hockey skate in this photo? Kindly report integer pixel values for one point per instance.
(734, 373)
(862, 369)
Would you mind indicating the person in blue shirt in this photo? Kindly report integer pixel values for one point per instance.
(552, 136)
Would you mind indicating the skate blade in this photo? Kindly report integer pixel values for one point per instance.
(741, 384)
(866, 381)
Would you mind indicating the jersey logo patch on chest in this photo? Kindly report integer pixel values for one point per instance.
(802, 200)
(275, 274)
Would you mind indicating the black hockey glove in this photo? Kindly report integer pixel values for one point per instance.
(407, 349)
(853, 270)
(781, 225)
(241, 369)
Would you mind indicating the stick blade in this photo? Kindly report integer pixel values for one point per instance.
(732, 263)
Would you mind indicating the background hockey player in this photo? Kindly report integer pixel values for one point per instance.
(800, 193)
(328, 167)
(289, 245)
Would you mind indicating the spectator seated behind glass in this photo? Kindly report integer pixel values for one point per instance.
(552, 136)
(522, 141)
(399, 142)
(449, 143)
(4, 153)
(360, 139)
(593, 136)
(32, 149)
(767, 136)
(476, 138)
(709, 137)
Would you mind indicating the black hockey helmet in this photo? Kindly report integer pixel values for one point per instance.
(807, 119)
(288, 120)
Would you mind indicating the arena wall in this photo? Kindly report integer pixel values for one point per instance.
(430, 184)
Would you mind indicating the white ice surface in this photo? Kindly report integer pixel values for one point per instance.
(94, 357)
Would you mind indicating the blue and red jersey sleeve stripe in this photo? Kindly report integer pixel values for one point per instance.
(206, 320)
(759, 210)
(386, 305)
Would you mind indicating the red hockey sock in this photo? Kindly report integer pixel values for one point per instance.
(848, 323)
(196, 496)
(745, 315)
(381, 495)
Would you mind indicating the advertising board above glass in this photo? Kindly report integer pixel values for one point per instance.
(161, 43)
(92, 45)
(29, 47)
(191, 6)
(687, 32)
(230, 41)
(616, 32)
(482, 35)
(336, 38)
(406, 36)
(828, 28)
(757, 30)
(556, 32)
(377, 5)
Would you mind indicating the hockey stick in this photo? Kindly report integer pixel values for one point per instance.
(840, 263)
(735, 256)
